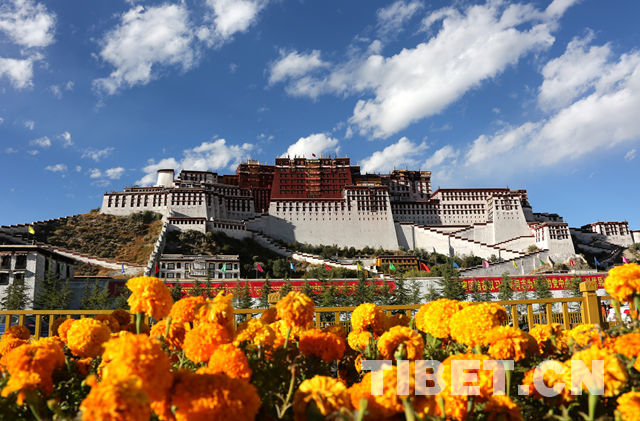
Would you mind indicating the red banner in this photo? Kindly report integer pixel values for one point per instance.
(521, 283)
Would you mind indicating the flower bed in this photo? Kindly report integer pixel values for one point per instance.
(194, 363)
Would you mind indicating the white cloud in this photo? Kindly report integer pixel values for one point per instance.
(317, 143)
(230, 17)
(145, 40)
(69, 85)
(33, 152)
(401, 153)
(10, 150)
(114, 173)
(95, 173)
(97, 154)
(442, 154)
(471, 46)
(393, 17)
(66, 139)
(27, 23)
(41, 142)
(29, 124)
(631, 155)
(56, 168)
(212, 155)
(1, 120)
(18, 71)
(571, 74)
(78, 168)
(56, 91)
(294, 64)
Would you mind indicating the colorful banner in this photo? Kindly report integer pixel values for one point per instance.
(521, 283)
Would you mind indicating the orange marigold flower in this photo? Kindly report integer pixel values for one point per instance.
(184, 310)
(129, 355)
(555, 375)
(629, 406)
(510, 343)
(203, 397)
(433, 318)
(269, 315)
(470, 325)
(398, 319)
(24, 381)
(121, 400)
(109, 321)
(328, 395)
(359, 341)
(86, 337)
(368, 317)
(337, 329)
(386, 404)
(585, 334)
(615, 374)
(122, 316)
(401, 335)
(325, 345)
(7, 344)
(296, 309)
(177, 332)
(17, 331)
(450, 378)
(502, 408)
(455, 406)
(149, 295)
(229, 360)
(629, 346)
(63, 329)
(219, 310)
(623, 282)
(256, 332)
(201, 341)
(550, 338)
(83, 365)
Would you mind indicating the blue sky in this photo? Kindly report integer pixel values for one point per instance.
(541, 95)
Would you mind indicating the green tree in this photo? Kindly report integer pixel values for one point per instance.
(451, 286)
(95, 297)
(329, 295)
(53, 293)
(475, 292)
(286, 288)
(308, 291)
(15, 296)
(487, 295)
(280, 268)
(245, 299)
(361, 292)
(198, 290)
(573, 287)
(542, 290)
(432, 294)
(505, 290)
(385, 295)
(176, 291)
(416, 296)
(263, 301)
(401, 293)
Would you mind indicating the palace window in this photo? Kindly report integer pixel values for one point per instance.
(21, 261)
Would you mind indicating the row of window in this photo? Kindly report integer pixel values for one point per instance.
(212, 266)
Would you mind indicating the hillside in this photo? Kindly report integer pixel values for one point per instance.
(127, 239)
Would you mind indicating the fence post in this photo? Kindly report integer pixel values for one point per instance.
(591, 308)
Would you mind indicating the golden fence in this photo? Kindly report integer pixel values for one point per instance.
(525, 313)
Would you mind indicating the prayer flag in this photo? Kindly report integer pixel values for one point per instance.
(327, 267)
(515, 265)
(571, 262)
(541, 262)
(292, 267)
(157, 268)
(31, 230)
(391, 266)
(596, 261)
(123, 268)
(625, 260)
(424, 267)
(359, 266)
(455, 265)
(259, 268)
(485, 263)
(224, 268)
(313, 155)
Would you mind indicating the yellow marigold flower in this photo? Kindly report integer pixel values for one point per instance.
(203, 397)
(510, 343)
(400, 335)
(177, 332)
(615, 374)
(86, 337)
(219, 310)
(7, 344)
(434, 317)
(17, 331)
(24, 381)
(280, 328)
(201, 341)
(149, 295)
(623, 282)
(398, 319)
(83, 365)
(269, 315)
(324, 345)
(256, 332)
(359, 341)
(484, 378)
(368, 317)
(455, 406)
(121, 400)
(296, 309)
(109, 321)
(629, 346)
(139, 356)
(555, 375)
(470, 325)
(184, 310)
(550, 338)
(229, 360)
(337, 329)
(629, 406)
(585, 334)
(328, 394)
(386, 404)
(122, 316)
(502, 408)
(63, 329)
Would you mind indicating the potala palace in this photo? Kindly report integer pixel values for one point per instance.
(328, 201)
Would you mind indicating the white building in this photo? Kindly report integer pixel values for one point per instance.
(182, 266)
